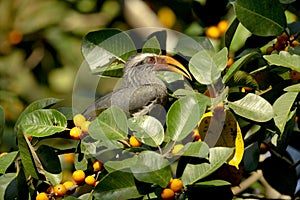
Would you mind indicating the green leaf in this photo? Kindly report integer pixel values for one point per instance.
(80, 161)
(204, 68)
(217, 157)
(5, 180)
(151, 167)
(293, 88)
(220, 58)
(49, 159)
(261, 17)
(196, 149)
(111, 124)
(183, 116)
(58, 143)
(231, 32)
(147, 129)
(101, 48)
(243, 79)
(116, 185)
(253, 107)
(122, 165)
(41, 123)
(284, 59)
(152, 46)
(213, 183)
(282, 108)
(6, 160)
(236, 66)
(189, 46)
(26, 157)
(36, 105)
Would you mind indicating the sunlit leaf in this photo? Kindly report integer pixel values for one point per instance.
(101, 48)
(41, 123)
(151, 167)
(284, 59)
(184, 115)
(204, 68)
(116, 185)
(253, 107)
(293, 88)
(147, 129)
(36, 105)
(110, 124)
(196, 149)
(261, 17)
(282, 108)
(217, 157)
(239, 148)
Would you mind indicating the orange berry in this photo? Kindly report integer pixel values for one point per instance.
(97, 165)
(59, 190)
(69, 157)
(213, 32)
(15, 37)
(229, 62)
(167, 194)
(85, 126)
(75, 133)
(41, 196)
(176, 185)
(90, 180)
(29, 137)
(78, 120)
(223, 26)
(134, 142)
(78, 176)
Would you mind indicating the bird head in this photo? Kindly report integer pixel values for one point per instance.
(145, 64)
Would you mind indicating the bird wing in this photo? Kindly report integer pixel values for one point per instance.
(129, 99)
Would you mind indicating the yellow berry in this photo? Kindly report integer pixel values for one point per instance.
(177, 148)
(167, 194)
(223, 26)
(42, 196)
(90, 180)
(176, 185)
(78, 176)
(134, 142)
(75, 133)
(59, 190)
(213, 32)
(166, 16)
(78, 120)
(85, 126)
(69, 186)
(97, 165)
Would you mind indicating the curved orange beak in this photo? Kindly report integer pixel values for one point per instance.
(170, 64)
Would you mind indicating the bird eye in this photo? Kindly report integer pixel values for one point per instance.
(150, 60)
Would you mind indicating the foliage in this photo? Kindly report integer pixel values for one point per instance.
(245, 108)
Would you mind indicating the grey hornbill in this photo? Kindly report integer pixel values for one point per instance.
(141, 89)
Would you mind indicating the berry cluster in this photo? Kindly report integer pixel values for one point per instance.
(174, 188)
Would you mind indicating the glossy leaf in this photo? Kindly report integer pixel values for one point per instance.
(284, 59)
(122, 165)
(151, 46)
(151, 167)
(101, 48)
(220, 58)
(111, 124)
(116, 185)
(253, 107)
(147, 129)
(282, 108)
(5, 180)
(293, 88)
(6, 160)
(196, 149)
(184, 115)
(204, 68)
(217, 157)
(25, 154)
(236, 66)
(36, 105)
(261, 17)
(41, 123)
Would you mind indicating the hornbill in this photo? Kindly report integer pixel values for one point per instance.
(141, 89)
